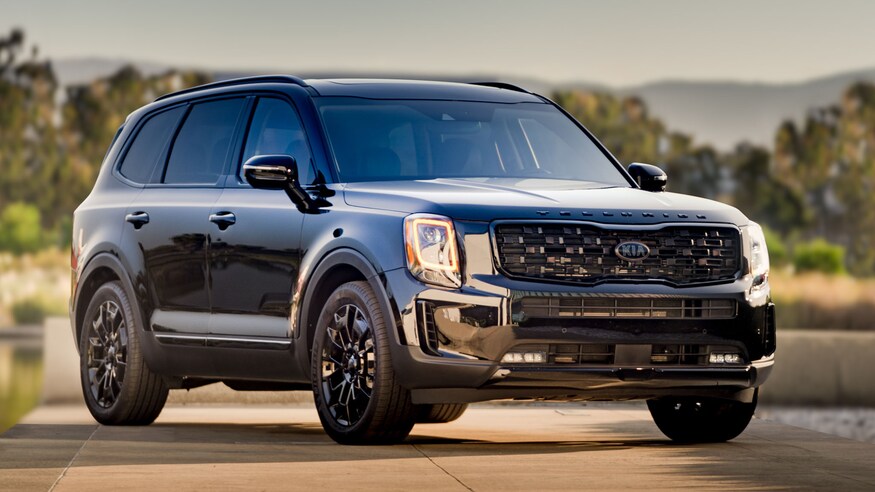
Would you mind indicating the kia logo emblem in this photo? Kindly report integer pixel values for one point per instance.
(632, 251)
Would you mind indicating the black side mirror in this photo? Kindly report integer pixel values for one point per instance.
(277, 172)
(648, 177)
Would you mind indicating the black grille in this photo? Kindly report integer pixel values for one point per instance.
(679, 355)
(585, 253)
(626, 307)
(582, 353)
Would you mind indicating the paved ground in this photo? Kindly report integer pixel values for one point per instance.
(490, 448)
(853, 423)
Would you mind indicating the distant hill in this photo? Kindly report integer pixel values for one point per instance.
(720, 113)
(725, 113)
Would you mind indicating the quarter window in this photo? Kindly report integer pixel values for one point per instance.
(142, 157)
(201, 148)
(276, 129)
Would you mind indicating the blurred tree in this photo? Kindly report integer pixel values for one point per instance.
(830, 163)
(28, 132)
(50, 153)
(778, 254)
(626, 128)
(761, 195)
(20, 228)
(819, 255)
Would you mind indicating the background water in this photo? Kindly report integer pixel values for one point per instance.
(21, 377)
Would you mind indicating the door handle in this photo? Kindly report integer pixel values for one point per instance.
(223, 219)
(138, 219)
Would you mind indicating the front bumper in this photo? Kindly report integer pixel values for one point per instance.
(475, 326)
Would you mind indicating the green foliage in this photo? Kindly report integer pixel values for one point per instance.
(20, 230)
(819, 256)
(626, 128)
(53, 165)
(28, 312)
(778, 255)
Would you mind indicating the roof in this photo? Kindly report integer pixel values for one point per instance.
(420, 89)
(383, 89)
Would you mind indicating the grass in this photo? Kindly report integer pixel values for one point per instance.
(827, 302)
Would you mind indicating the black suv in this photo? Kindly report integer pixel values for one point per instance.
(402, 249)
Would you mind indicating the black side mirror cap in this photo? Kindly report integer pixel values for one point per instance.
(648, 177)
(278, 172)
(270, 172)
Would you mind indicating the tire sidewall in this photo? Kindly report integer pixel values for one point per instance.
(346, 294)
(109, 292)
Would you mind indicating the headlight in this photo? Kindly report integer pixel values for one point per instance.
(758, 256)
(432, 254)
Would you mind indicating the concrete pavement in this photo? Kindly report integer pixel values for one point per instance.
(576, 447)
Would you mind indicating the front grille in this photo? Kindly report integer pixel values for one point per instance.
(625, 307)
(581, 353)
(679, 355)
(585, 253)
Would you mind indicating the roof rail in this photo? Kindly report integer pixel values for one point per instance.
(290, 79)
(501, 85)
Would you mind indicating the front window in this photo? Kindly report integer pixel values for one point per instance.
(383, 140)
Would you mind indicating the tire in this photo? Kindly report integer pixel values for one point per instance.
(118, 387)
(699, 420)
(439, 413)
(357, 396)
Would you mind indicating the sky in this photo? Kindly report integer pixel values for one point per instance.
(618, 42)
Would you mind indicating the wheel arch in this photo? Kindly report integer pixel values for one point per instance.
(103, 268)
(336, 268)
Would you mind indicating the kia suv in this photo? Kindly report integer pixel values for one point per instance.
(402, 249)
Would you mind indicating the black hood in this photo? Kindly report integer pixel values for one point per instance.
(491, 199)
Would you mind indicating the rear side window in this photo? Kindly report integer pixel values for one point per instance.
(142, 157)
(201, 149)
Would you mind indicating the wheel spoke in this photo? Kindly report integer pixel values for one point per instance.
(350, 320)
(106, 357)
(348, 364)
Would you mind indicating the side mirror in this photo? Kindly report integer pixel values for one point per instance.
(277, 172)
(270, 172)
(649, 178)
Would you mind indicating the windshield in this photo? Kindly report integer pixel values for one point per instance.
(390, 140)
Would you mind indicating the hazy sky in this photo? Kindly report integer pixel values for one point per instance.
(614, 42)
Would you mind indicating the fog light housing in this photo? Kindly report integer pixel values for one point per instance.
(724, 358)
(524, 358)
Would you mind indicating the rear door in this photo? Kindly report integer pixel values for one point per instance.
(170, 218)
(255, 254)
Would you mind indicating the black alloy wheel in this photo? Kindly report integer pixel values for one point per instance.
(348, 365)
(107, 353)
(117, 385)
(357, 395)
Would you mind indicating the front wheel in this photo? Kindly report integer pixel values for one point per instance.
(698, 420)
(354, 386)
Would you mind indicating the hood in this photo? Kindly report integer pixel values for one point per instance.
(487, 199)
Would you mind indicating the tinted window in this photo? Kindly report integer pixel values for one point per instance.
(201, 148)
(141, 159)
(374, 140)
(276, 129)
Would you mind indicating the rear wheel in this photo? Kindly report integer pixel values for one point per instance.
(439, 413)
(357, 396)
(118, 387)
(691, 420)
